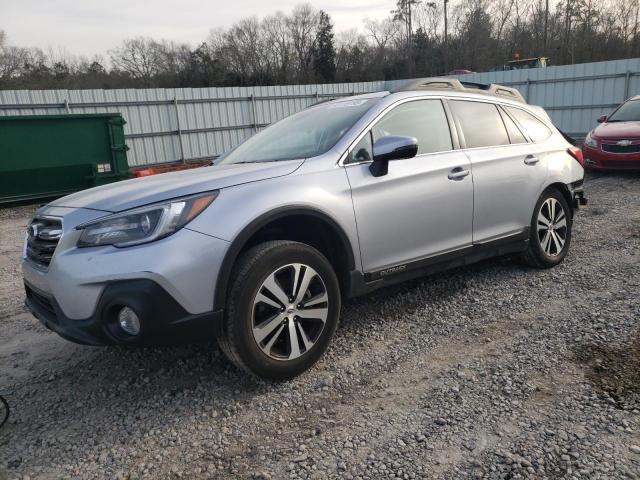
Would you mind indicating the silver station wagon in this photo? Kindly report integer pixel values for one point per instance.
(338, 200)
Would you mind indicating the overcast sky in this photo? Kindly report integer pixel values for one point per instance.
(94, 26)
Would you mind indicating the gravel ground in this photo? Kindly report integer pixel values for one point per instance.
(489, 371)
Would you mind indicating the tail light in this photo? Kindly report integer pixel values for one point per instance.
(576, 153)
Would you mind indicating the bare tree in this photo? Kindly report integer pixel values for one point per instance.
(501, 11)
(296, 48)
(302, 25)
(404, 13)
(142, 58)
(279, 44)
(429, 17)
(10, 58)
(19, 62)
(246, 49)
(382, 32)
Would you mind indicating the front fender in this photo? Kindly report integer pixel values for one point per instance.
(241, 211)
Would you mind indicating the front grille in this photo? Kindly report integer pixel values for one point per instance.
(630, 164)
(43, 235)
(613, 148)
(41, 301)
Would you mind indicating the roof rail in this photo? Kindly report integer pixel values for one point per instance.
(437, 83)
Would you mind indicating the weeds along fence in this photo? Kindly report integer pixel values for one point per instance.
(187, 124)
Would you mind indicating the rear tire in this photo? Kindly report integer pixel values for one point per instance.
(550, 233)
(282, 309)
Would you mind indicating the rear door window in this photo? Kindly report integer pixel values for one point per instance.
(423, 119)
(481, 123)
(537, 131)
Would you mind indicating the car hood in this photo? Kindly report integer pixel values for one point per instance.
(115, 197)
(618, 130)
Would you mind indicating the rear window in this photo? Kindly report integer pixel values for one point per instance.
(481, 123)
(533, 127)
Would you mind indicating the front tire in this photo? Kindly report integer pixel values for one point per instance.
(282, 309)
(550, 233)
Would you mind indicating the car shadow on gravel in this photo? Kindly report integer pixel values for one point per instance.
(131, 372)
(614, 370)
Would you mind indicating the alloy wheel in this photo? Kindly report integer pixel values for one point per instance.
(290, 311)
(552, 227)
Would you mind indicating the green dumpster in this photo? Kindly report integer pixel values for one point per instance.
(53, 155)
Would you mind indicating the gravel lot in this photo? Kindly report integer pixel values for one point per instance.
(490, 371)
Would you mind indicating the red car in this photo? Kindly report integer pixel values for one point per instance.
(460, 71)
(615, 144)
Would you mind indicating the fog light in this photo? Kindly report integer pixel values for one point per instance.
(129, 321)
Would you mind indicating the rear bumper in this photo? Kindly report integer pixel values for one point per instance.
(596, 159)
(577, 194)
(163, 320)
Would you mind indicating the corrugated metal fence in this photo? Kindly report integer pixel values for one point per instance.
(573, 95)
(165, 125)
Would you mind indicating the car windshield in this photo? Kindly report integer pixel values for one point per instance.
(308, 133)
(628, 112)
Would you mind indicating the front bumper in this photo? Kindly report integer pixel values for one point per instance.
(596, 159)
(162, 319)
(185, 264)
(170, 283)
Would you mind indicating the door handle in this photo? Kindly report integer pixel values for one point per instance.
(531, 160)
(458, 173)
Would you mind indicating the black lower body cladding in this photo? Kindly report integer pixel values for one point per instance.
(163, 320)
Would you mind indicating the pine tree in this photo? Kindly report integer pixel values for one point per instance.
(324, 61)
(404, 13)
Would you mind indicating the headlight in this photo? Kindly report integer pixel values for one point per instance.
(145, 224)
(589, 141)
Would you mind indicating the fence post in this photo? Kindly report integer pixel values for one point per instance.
(627, 84)
(253, 111)
(175, 104)
(528, 90)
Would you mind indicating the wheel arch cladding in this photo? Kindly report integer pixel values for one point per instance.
(303, 224)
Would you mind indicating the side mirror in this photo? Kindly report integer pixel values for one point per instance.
(602, 118)
(391, 148)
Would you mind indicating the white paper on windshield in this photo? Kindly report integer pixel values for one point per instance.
(347, 103)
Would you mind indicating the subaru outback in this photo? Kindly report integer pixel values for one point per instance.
(343, 198)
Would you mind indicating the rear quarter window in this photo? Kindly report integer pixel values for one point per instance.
(515, 135)
(537, 131)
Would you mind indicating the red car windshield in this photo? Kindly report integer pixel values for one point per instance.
(628, 112)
